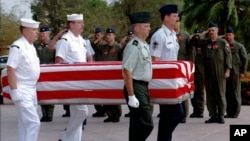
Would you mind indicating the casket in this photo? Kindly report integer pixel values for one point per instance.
(102, 83)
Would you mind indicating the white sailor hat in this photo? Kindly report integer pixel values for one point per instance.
(29, 23)
(74, 17)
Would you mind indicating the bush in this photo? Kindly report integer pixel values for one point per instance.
(245, 89)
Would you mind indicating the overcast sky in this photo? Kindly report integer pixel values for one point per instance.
(23, 5)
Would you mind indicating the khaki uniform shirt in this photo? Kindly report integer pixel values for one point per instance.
(137, 60)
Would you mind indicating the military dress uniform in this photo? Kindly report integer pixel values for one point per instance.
(23, 58)
(137, 63)
(73, 49)
(233, 84)
(217, 58)
(137, 60)
(164, 45)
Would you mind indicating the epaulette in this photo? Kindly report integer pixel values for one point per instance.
(135, 42)
(15, 46)
(63, 39)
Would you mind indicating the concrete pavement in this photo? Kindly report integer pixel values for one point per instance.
(97, 130)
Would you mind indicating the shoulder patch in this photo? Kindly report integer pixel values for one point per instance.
(135, 42)
(63, 39)
(155, 45)
(15, 46)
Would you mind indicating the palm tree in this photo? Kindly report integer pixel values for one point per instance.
(200, 12)
(234, 13)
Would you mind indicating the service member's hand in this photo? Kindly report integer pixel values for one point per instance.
(15, 96)
(227, 73)
(133, 101)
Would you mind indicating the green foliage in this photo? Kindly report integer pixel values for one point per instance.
(216, 10)
(193, 18)
(231, 7)
(9, 27)
(97, 13)
(234, 13)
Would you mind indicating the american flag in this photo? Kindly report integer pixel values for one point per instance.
(102, 83)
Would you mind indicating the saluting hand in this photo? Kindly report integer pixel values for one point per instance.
(133, 101)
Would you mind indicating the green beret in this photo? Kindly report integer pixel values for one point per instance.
(139, 17)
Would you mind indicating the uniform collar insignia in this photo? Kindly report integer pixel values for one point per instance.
(135, 42)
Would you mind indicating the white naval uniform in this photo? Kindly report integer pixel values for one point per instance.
(164, 44)
(23, 58)
(73, 49)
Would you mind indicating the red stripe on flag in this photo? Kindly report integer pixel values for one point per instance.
(103, 75)
(81, 75)
(105, 94)
(5, 81)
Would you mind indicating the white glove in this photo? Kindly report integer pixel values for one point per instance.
(15, 96)
(133, 101)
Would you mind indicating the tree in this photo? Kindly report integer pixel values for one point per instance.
(200, 12)
(97, 13)
(53, 13)
(233, 13)
(9, 28)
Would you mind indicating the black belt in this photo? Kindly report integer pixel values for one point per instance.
(140, 81)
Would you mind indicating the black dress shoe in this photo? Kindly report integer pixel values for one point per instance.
(183, 120)
(98, 114)
(196, 115)
(127, 115)
(212, 120)
(46, 119)
(230, 116)
(115, 120)
(158, 115)
(60, 140)
(66, 115)
(109, 119)
(221, 120)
